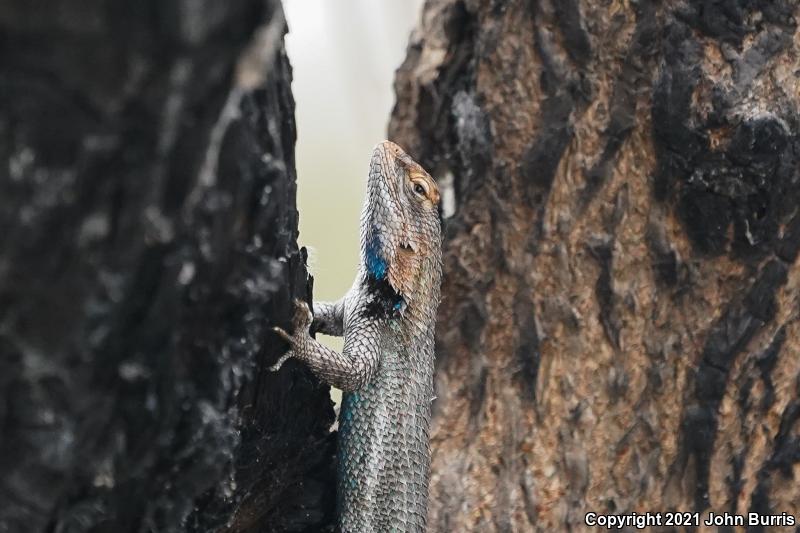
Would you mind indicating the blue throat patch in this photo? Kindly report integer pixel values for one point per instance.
(384, 301)
(375, 263)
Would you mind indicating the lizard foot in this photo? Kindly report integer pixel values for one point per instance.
(301, 323)
(302, 317)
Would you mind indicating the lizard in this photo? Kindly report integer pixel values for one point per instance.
(385, 370)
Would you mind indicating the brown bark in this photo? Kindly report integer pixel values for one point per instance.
(619, 328)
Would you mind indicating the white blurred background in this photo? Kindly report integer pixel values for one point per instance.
(344, 54)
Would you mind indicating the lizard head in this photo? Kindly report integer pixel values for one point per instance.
(400, 225)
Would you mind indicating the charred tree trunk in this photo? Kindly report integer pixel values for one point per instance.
(147, 207)
(619, 328)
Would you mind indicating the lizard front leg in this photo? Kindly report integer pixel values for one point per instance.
(348, 371)
(329, 318)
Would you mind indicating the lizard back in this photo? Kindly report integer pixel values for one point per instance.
(384, 451)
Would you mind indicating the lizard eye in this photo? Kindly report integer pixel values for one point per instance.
(419, 187)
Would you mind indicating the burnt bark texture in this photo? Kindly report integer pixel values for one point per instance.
(148, 244)
(619, 327)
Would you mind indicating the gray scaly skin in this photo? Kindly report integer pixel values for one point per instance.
(386, 368)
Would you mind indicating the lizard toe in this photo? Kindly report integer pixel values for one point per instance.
(284, 335)
(277, 366)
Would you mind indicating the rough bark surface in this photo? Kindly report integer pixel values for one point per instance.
(148, 242)
(619, 328)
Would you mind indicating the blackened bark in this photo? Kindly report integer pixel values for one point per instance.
(148, 242)
(619, 327)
